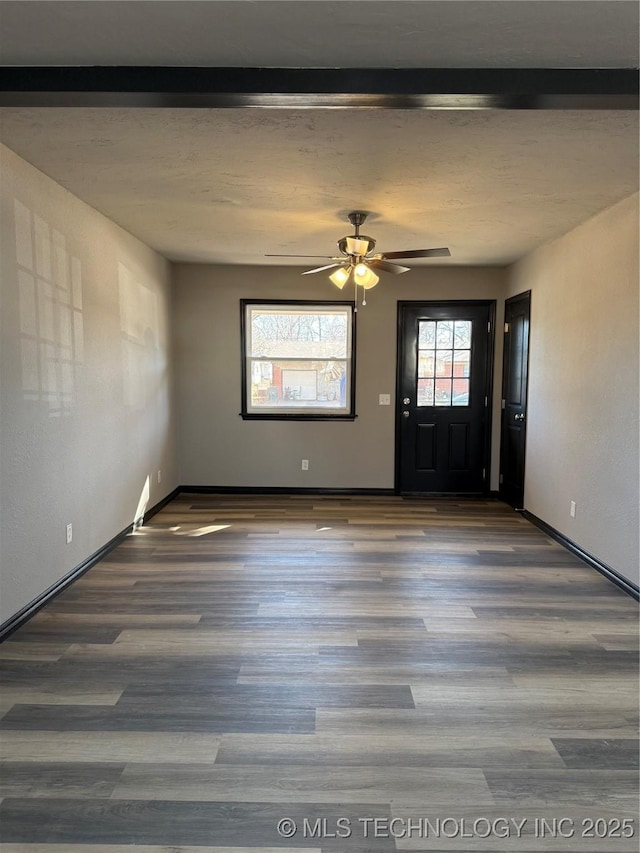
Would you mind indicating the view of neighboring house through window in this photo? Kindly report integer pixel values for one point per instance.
(297, 359)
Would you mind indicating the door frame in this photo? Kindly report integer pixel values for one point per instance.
(491, 304)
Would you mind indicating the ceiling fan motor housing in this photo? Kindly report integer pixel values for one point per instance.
(357, 218)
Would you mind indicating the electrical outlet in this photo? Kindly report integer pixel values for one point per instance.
(384, 399)
(572, 509)
(305, 464)
(69, 533)
(159, 476)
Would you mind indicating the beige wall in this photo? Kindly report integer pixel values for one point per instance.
(582, 426)
(85, 392)
(216, 447)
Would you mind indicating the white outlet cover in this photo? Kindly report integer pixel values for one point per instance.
(384, 399)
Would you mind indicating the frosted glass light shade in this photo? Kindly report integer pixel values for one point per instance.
(340, 276)
(365, 276)
(357, 246)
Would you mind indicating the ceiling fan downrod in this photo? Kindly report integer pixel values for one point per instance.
(357, 218)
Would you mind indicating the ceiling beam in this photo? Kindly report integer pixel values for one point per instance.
(317, 88)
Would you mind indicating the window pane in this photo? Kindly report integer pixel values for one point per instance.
(425, 392)
(444, 362)
(445, 334)
(426, 334)
(426, 363)
(460, 395)
(295, 333)
(443, 392)
(461, 362)
(463, 334)
(290, 384)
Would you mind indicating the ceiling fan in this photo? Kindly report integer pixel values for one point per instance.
(357, 260)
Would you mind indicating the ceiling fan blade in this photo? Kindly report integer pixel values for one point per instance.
(379, 264)
(321, 269)
(298, 256)
(418, 253)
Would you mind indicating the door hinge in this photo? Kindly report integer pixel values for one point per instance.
(484, 473)
(506, 328)
(504, 404)
(501, 479)
(486, 401)
(489, 327)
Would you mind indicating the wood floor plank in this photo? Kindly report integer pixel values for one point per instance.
(58, 779)
(450, 718)
(605, 787)
(61, 696)
(533, 699)
(100, 747)
(296, 783)
(230, 639)
(146, 718)
(14, 649)
(286, 696)
(588, 753)
(320, 670)
(45, 619)
(362, 750)
(162, 822)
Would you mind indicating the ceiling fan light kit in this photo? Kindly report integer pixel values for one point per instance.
(365, 276)
(340, 276)
(357, 260)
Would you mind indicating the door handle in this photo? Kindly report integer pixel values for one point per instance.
(405, 414)
(519, 418)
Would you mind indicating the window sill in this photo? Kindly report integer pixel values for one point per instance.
(251, 416)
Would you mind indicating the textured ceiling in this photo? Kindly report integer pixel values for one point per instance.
(229, 186)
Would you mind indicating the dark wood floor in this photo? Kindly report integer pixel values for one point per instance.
(246, 659)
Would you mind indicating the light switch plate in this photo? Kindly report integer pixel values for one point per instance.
(384, 399)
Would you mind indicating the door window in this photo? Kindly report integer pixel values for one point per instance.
(444, 359)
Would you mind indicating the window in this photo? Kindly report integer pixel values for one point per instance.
(444, 357)
(298, 360)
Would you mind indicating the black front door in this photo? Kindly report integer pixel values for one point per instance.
(442, 436)
(514, 398)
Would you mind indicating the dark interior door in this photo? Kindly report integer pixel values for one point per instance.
(514, 398)
(443, 397)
